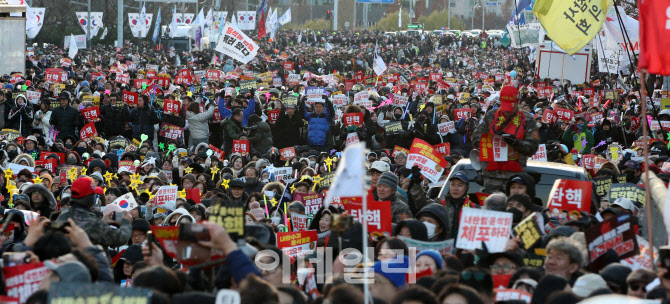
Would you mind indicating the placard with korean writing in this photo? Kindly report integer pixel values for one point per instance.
(569, 195)
(171, 131)
(443, 247)
(22, 280)
(312, 201)
(378, 216)
(340, 100)
(352, 119)
(88, 131)
(166, 197)
(130, 98)
(171, 107)
(528, 231)
(541, 154)
(400, 101)
(229, 217)
(479, 226)
(241, 146)
(492, 148)
(565, 114)
(393, 127)
(617, 234)
(287, 153)
(630, 191)
(91, 113)
(297, 243)
(96, 293)
(425, 156)
(299, 221)
(236, 44)
(446, 128)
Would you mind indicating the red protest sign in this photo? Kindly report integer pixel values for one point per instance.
(171, 107)
(130, 97)
(617, 234)
(462, 113)
(21, 281)
(352, 119)
(287, 153)
(297, 243)
(170, 131)
(378, 216)
(49, 164)
(430, 162)
(312, 201)
(53, 75)
(88, 131)
(182, 80)
(217, 152)
(589, 92)
(444, 149)
(272, 115)
(348, 84)
(288, 65)
(492, 148)
(45, 154)
(569, 195)
(139, 82)
(123, 78)
(549, 116)
(435, 76)
(499, 77)
(213, 74)
(91, 113)
(565, 114)
(241, 147)
(398, 149)
(16, 77)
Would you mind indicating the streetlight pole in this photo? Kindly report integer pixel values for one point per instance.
(449, 14)
(88, 26)
(483, 10)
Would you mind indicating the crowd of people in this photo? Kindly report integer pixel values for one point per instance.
(131, 121)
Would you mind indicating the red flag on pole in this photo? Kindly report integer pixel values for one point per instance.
(654, 33)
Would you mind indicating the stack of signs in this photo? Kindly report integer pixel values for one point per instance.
(617, 234)
(312, 201)
(97, 293)
(568, 195)
(630, 191)
(21, 281)
(229, 217)
(297, 243)
(479, 226)
(425, 156)
(378, 216)
(443, 247)
(166, 197)
(528, 231)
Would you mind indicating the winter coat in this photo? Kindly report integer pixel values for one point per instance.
(48, 197)
(21, 118)
(288, 130)
(262, 139)
(99, 232)
(232, 129)
(441, 214)
(24, 156)
(114, 119)
(7, 107)
(43, 123)
(198, 126)
(143, 120)
(66, 120)
(319, 125)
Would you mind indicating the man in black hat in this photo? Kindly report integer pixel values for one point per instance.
(65, 118)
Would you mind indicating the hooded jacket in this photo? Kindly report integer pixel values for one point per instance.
(197, 123)
(319, 125)
(262, 139)
(441, 214)
(21, 117)
(41, 189)
(66, 121)
(232, 129)
(26, 157)
(97, 163)
(416, 228)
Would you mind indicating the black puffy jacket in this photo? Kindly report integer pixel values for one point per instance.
(67, 121)
(143, 120)
(114, 119)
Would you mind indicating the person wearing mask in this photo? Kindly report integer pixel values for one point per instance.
(459, 183)
(252, 181)
(386, 190)
(66, 119)
(114, 117)
(519, 130)
(288, 127)
(633, 171)
(319, 124)
(607, 133)
(143, 118)
(21, 116)
(198, 127)
(260, 135)
(42, 116)
(579, 137)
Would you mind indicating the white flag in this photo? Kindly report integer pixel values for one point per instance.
(400, 17)
(33, 26)
(286, 17)
(73, 47)
(142, 22)
(200, 19)
(350, 177)
(234, 43)
(378, 65)
(175, 21)
(328, 46)
(233, 21)
(299, 37)
(126, 202)
(104, 33)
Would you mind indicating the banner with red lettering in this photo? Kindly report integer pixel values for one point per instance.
(492, 148)
(479, 225)
(297, 243)
(166, 197)
(378, 216)
(213, 74)
(91, 113)
(446, 128)
(312, 201)
(568, 195)
(88, 131)
(617, 234)
(298, 221)
(397, 149)
(352, 119)
(171, 131)
(425, 156)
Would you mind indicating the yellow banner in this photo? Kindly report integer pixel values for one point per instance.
(571, 24)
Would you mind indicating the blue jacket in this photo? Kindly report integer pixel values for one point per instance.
(318, 127)
(251, 109)
(241, 266)
(223, 111)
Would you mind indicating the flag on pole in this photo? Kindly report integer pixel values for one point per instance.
(378, 65)
(286, 17)
(262, 12)
(73, 47)
(233, 21)
(142, 22)
(173, 24)
(328, 46)
(400, 17)
(126, 202)
(157, 27)
(350, 177)
(200, 19)
(654, 33)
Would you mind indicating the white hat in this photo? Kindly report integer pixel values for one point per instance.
(625, 203)
(450, 96)
(587, 284)
(380, 166)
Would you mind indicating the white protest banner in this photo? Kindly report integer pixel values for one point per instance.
(22, 280)
(361, 96)
(293, 79)
(541, 154)
(33, 96)
(80, 39)
(313, 202)
(348, 182)
(236, 44)
(446, 128)
(640, 261)
(166, 197)
(299, 221)
(283, 173)
(443, 247)
(425, 156)
(479, 225)
(126, 202)
(512, 294)
(340, 100)
(297, 243)
(400, 101)
(352, 138)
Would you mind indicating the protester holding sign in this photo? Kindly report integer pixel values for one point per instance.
(65, 118)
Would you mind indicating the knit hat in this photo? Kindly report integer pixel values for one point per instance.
(396, 277)
(434, 255)
(256, 211)
(388, 179)
(141, 225)
(73, 271)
